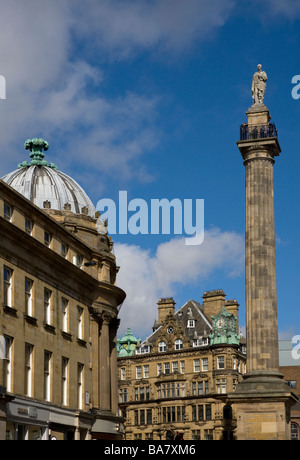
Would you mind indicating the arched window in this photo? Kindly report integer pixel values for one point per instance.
(162, 346)
(178, 344)
(294, 432)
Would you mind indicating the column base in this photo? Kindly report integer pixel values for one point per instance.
(262, 404)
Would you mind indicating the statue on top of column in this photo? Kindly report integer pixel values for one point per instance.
(259, 85)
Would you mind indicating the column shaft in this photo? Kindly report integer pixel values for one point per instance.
(261, 296)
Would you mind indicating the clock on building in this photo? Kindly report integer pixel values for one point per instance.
(220, 323)
(170, 330)
(224, 328)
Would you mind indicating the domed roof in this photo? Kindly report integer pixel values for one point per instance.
(128, 338)
(127, 345)
(41, 182)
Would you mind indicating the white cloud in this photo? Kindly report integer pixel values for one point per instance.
(123, 27)
(146, 277)
(280, 8)
(54, 91)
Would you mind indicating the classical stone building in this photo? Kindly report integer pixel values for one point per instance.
(58, 308)
(179, 377)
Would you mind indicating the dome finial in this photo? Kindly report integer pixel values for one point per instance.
(36, 147)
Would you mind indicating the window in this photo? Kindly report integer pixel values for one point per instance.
(294, 432)
(8, 211)
(178, 344)
(28, 369)
(159, 369)
(47, 375)
(201, 412)
(143, 350)
(173, 414)
(196, 365)
(142, 417)
(64, 250)
(64, 382)
(175, 367)
(138, 372)
(208, 435)
(142, 394)
(8, 273)
(136, 417)
(80, 323)
(78, 260)
(7, 363)
(28, 297)
(80, 370)
(123, 395)
(204, 362)
(206, 389)
(172, 390)
(234, 361)
(199, 388)
(65, 314)
(123, 372)
(221, 386)
(149, 416)
(167, 368)
(221, 362)
(162, 346)
(208, 413)
(191, 323)
(47, 239)
(47, 306)
(182, 367)
(28, 226)
(292, 383)
(146, 371)
(196, 435)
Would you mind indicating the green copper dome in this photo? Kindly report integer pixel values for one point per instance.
(127, 345)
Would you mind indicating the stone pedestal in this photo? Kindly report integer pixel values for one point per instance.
(263, 399)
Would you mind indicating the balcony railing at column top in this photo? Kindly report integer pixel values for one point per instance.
(248, 132)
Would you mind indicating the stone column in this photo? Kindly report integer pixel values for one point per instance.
(262, 399)
(261, 296)
(104, 364)
(114, 367)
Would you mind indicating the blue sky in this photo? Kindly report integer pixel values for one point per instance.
(147, 96)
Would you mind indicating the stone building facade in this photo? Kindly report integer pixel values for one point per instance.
(58, 309)
(179, 377)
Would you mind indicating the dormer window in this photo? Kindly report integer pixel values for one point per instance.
(178, 344)
(162, 346)
(191, 323)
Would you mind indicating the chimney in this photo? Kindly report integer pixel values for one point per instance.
(165, 307)
(213, 302)
(232, 306)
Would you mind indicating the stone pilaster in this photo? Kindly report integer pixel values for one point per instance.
(104, 364)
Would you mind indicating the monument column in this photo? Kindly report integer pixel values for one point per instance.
(262, 399)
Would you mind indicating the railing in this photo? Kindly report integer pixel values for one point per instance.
(248, 132)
